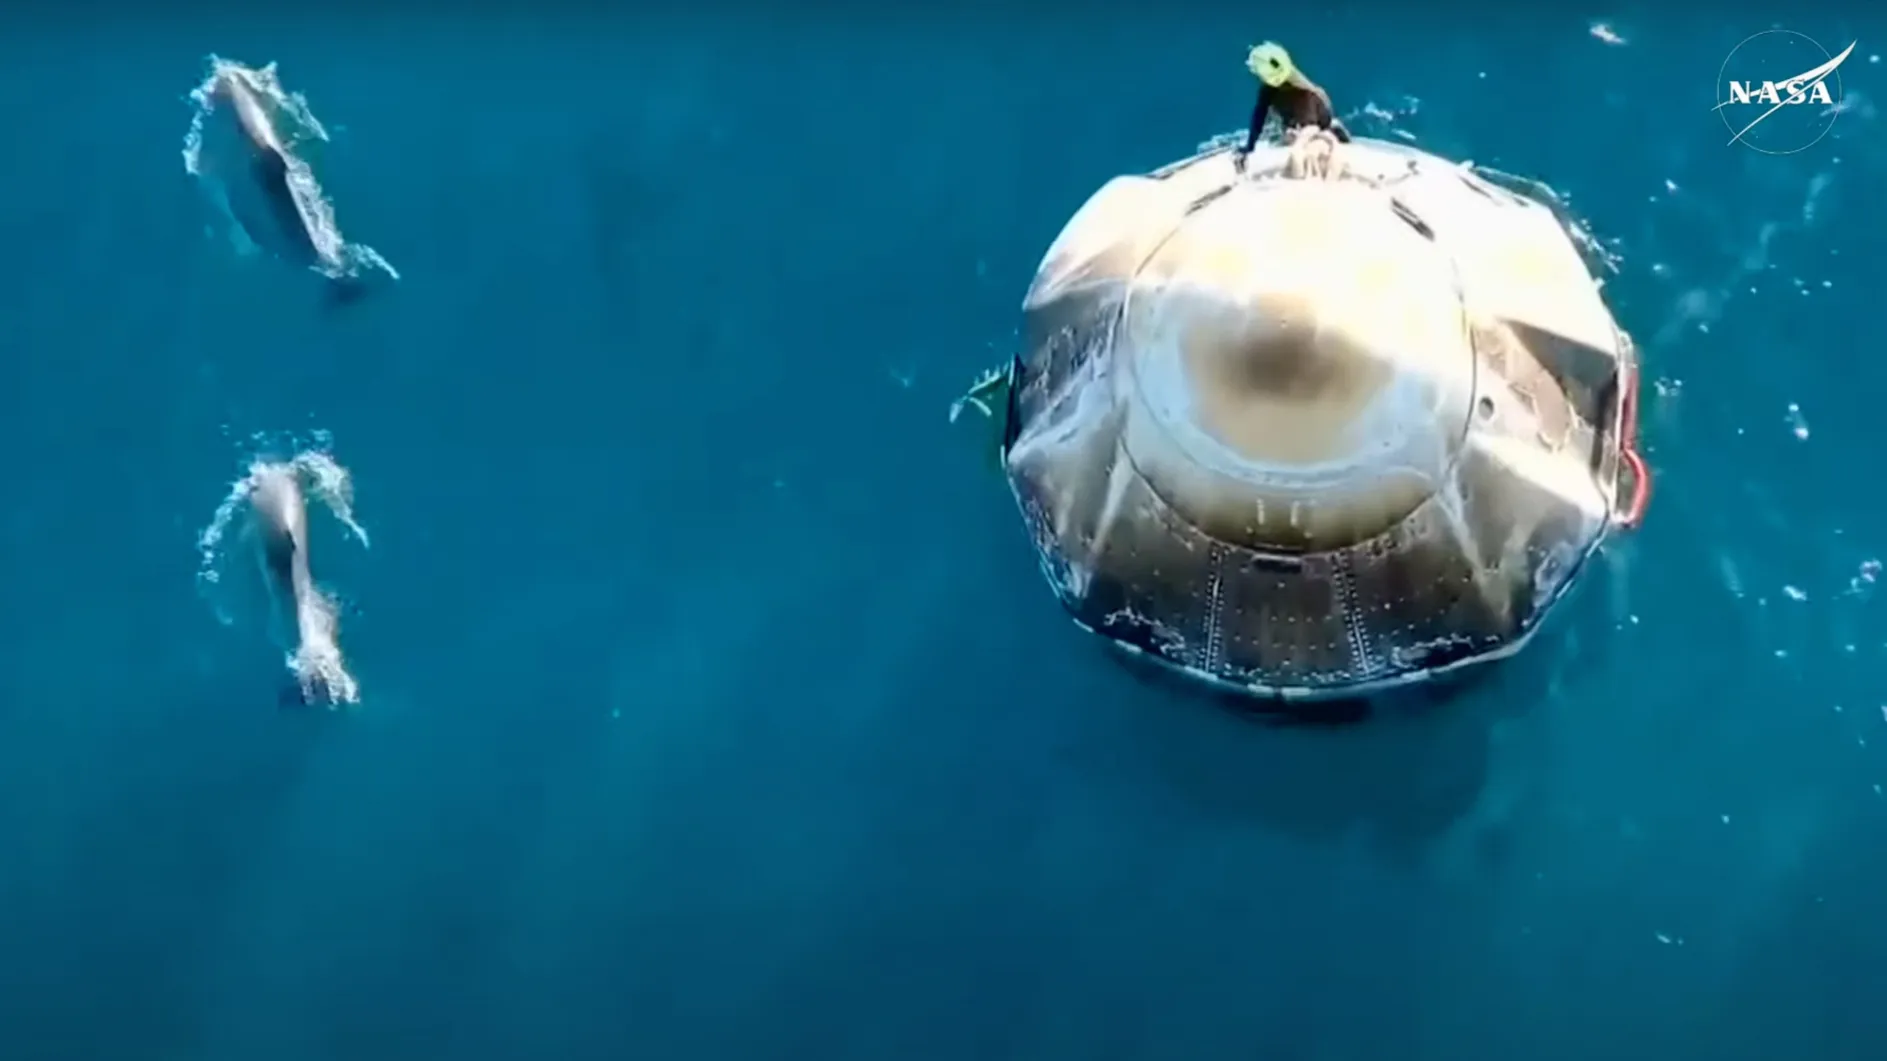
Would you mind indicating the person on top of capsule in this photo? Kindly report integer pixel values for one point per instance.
(1299, 101)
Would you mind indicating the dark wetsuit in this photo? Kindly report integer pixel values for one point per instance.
(1301, 103)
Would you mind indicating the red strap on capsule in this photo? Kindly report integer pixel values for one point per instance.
(1633, 513)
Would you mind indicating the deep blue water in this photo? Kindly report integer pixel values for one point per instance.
(713, 705)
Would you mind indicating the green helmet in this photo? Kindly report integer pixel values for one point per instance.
(1270, 63)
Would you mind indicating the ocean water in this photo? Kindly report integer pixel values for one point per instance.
(711, 703)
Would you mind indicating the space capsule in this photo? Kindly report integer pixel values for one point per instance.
(1338, 420)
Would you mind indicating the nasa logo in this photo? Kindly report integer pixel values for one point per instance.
(1779, 91)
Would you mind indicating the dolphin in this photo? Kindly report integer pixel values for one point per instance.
(267, 169)
(281, 522)
(271, 179)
